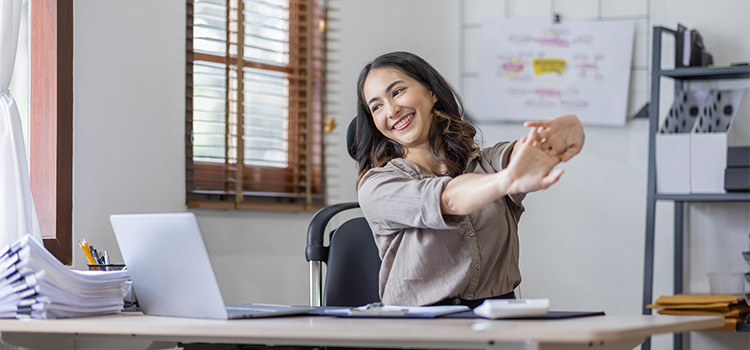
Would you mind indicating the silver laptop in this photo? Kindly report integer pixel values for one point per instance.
(171, 271)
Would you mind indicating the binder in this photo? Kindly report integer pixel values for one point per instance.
(689, 49)
(680, 46)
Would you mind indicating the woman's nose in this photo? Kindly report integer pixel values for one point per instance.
(393, 110)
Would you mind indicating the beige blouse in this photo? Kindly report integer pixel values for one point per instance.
(427, 256)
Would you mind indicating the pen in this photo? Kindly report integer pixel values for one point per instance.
(95, 255)
(98, 257)
(106, 260)
(378, 309)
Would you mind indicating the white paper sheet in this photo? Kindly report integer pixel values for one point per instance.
(33, 284)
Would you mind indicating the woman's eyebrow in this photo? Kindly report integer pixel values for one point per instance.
(387, 90)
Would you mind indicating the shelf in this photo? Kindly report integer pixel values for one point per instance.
(707, 197)
(680, 76)
(701, 73)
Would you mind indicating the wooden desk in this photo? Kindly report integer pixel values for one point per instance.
(137, 331)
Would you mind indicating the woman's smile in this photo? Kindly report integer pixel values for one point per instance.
(403, 122)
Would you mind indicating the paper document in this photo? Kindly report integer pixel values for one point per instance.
(379, 310)
(34, 284)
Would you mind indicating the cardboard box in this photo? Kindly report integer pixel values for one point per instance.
(724, 121)
(673, 143)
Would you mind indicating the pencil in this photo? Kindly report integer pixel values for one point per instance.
(85, 247)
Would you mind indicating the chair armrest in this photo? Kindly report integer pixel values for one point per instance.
(315, 250)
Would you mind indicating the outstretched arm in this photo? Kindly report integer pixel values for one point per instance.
(530, 169)
(561, 136)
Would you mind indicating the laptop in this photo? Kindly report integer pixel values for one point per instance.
(172, 273)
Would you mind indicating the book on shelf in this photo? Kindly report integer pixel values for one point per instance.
(34, 284)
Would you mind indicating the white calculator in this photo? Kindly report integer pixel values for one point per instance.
(511, 308)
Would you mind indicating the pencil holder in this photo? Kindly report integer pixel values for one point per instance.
(106, 267)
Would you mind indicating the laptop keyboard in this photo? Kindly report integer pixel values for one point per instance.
(266, 310)
(241, 311)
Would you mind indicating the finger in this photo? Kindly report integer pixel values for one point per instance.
(533, 123)
(543, 132)
(567, 156)
(569, 153)
(534, 137)
(550, 179)
(528, 139)
(533, 134)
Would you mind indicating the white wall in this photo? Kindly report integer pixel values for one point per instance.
(582, 240)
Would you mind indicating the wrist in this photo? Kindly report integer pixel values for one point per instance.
(512, 151)
(506, 181)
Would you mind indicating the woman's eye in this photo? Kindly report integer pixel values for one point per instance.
(397, 91)
(375, 108)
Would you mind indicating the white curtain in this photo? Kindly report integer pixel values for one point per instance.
(17, 212)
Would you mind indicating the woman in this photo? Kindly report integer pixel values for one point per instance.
(443, 212)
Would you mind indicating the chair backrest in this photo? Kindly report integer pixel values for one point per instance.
(353, 266)
(351, 257)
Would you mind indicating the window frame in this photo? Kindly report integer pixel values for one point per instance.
(252, 194)
(51, 122)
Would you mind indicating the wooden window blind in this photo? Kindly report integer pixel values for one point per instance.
(254, 108)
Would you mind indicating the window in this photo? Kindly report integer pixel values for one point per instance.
(254, 104)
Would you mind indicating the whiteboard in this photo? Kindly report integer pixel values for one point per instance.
(535, 69)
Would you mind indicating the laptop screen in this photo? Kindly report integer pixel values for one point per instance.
(169, 265)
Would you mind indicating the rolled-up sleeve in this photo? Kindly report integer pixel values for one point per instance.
(393, 200)
(499, 156)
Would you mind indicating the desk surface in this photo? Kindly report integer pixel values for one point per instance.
(589, 332)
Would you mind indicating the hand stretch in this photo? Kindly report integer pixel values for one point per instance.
(560, 136)
(530, 168)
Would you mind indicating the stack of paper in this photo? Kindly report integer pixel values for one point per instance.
(732, 307)
(34, 284)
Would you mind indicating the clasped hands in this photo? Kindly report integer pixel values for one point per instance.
(548, 143)
(560, 136)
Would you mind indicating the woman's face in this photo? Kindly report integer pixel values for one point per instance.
(401, 107)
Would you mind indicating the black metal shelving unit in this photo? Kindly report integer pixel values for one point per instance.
(680, 200)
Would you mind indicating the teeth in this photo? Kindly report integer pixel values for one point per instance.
(403, 121)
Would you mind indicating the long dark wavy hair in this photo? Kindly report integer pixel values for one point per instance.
(451, 138)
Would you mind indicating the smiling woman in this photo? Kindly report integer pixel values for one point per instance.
(424, 91)
(444, 212)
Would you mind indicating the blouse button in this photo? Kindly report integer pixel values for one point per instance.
(477, 266)
(471, 233)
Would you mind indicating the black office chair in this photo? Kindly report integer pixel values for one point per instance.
(352, 259)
